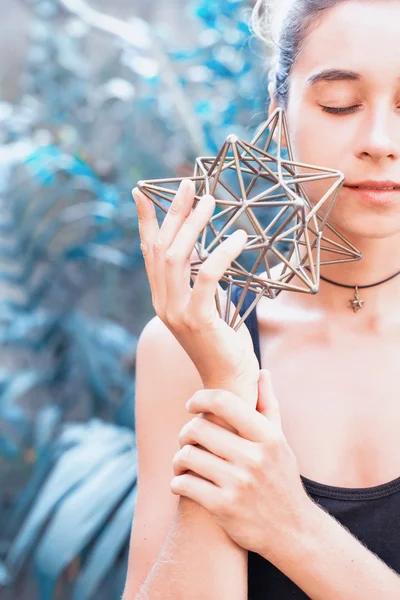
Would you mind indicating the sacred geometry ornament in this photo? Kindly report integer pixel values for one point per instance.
(249, 183)
(277, 122)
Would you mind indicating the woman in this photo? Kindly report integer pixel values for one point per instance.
(299, 498)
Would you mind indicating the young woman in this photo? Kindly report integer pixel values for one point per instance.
(299, 498)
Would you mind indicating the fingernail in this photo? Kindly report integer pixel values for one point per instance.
(136, 196)
(209, 203)
(185, 185)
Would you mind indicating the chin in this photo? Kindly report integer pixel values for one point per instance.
(356, 226)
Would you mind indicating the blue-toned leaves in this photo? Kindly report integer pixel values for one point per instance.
(104, 553)
(93, 471)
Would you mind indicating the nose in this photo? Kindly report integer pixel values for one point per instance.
(379, 135)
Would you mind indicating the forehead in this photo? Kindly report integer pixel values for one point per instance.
(358, 35)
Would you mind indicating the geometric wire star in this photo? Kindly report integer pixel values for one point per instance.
(265, 195)
(338, 245)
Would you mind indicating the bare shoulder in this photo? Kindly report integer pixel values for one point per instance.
(162, 345)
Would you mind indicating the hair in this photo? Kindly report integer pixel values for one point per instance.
(284, 25)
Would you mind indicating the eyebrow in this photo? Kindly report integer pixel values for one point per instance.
(333, 75)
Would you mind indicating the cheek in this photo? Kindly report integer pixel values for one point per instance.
(309, 135)
(317, 138)
(316, 141)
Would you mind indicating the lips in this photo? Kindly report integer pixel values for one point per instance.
(375, 185)
(370, 187)
(382, 194)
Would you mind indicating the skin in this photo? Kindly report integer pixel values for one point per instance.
(232, 457)
(264, 471)
(349, 408)
(363, 144)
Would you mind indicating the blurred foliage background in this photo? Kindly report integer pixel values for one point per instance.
(95, 95)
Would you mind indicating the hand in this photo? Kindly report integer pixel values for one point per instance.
(224, 358)
(249, 482)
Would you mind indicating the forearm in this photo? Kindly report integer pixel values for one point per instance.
(327, 562)
(198, 561)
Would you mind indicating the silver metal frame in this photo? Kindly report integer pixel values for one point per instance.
(286, 191)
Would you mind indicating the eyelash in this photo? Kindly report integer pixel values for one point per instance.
(340, 111)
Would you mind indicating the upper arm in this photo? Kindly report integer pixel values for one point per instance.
(165, 379)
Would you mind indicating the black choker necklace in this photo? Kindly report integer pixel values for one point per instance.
(355, 302)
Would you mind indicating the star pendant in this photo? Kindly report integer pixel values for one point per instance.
(355, 302)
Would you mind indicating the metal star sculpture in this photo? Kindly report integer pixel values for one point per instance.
(246, 180)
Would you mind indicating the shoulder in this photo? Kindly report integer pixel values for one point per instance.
(160, 352)
(157, 338)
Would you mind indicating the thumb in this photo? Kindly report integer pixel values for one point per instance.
(267, 403)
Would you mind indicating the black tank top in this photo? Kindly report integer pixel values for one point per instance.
(371, 514)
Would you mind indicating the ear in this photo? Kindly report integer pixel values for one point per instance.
(272, 107)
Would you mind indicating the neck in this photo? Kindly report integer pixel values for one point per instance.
(381, 259)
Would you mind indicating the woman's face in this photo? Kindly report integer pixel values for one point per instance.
(350, 63)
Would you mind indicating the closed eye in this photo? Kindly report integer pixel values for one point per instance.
(340, 111)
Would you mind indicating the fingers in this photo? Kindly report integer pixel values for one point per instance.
(177, 258)
(202, 302)
(203, 464)
(148, 230)
(167, 250)
(179, 210)
(167, 253)
(177, 214)
(197, 489)
(234, 411)
(214, 438)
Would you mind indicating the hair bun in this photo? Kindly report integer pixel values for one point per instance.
(268, 18)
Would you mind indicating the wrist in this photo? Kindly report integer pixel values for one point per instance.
(299, 539)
